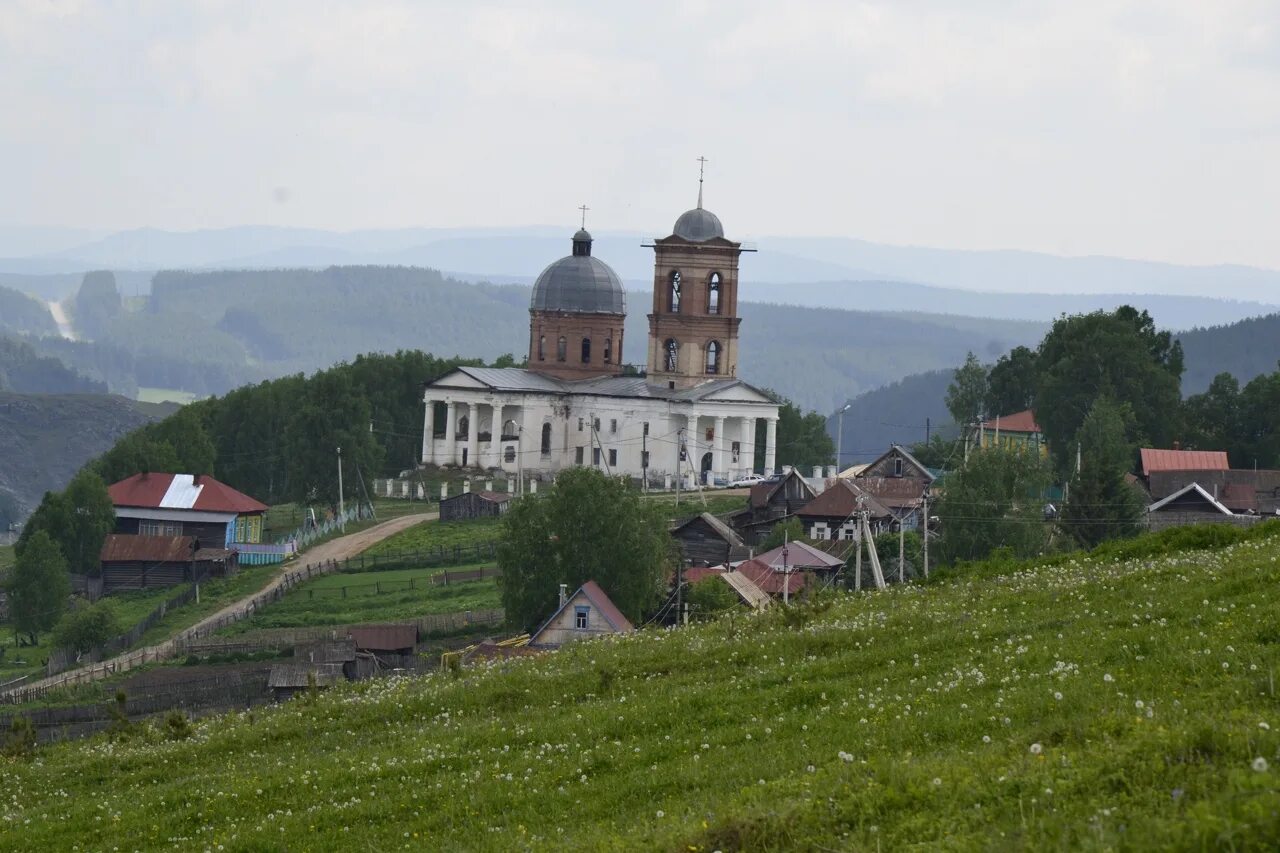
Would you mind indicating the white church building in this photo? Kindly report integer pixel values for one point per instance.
(687, 416)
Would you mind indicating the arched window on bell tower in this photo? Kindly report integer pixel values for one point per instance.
(562, 349)
(608, 350)
(671, 355)
(713, 293)
(542, 348)
(713, 357)
(673, 292)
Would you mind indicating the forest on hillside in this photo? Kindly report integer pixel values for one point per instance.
(1246, 350)
(23, 314)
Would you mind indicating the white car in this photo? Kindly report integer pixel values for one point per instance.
(749, 480)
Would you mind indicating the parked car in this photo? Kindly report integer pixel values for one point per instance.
(749, 480)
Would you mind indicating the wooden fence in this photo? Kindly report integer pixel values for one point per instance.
(443, 555)
(388, 587)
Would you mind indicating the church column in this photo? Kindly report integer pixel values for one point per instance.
(770, 446)
(428, 431)
(691, 445)
(473, 434)
(495, 435)
(718, 451)
(747, 445)
(450, 456)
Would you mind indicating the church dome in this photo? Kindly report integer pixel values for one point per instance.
(698, 225)
(579, 283)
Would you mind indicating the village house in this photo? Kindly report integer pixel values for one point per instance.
(194, 505)
(707, 540)
(771, 502)
(144, 562)
(898, 481)
(1018, 431)
(585, 614)
(1199, 486)
(469, 505)
(834, 513)
(688, 416)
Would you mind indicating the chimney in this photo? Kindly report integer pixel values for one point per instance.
(787, 469)
(1177, 445)
(564, 593)
(833, 470)
(817, 472)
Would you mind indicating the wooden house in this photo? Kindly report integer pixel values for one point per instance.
(833, 514)
(470, 505)
(585, 614)
(770, 502)
(1191, 504)
(145, 562)
(708, 540)
(194, 505)
(1241, 490)
(898, 481)
(1018, 431)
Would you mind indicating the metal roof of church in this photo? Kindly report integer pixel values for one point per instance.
(520, 379)
(579, 284)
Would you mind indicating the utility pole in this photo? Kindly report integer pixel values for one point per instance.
(341, 506)
(679, 459)
(786, 573)
(840, 440)
(902, 549)
(925, 504)
(927, 427)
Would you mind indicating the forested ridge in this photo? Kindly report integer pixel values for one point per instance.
(1246, 349)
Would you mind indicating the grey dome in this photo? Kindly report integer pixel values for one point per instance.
(698, 225)
(579, 284)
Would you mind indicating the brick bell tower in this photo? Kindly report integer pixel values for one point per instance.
(693, 330)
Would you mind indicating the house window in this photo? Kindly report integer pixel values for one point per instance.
(595, 456)
(671, 351)
(159, 528)
(586, 350)
(713, 294)
(546, 439)
(613, 425)
(582, 617)
(820, 531)
(562, 349)
(542, 348)
(608, 350)
(897, 466)
(673, 292)
(713, 357)
(577, 455)
(509, 455)
(613, 458)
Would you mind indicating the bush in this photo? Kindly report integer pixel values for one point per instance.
(86, 628)
(710, 597)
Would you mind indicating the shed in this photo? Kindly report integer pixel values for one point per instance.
(587, 613)
(288, 679)
(470, 505)
(143, 562)
(216, 562)
(393, 639)
(706, 539)
(1191, 504)
(1156, 459)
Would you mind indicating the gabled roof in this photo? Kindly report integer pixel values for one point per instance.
(1183, 460)
(762, 493)
(905, 454)
(724, 531)
(895, 492)
(800, 555)
(771, 581)
(181, 491)
(841, 501)
(596, 596)
(1024, 421)
(124, 548)
(1192, 487)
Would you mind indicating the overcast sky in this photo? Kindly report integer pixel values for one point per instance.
(1141, 129)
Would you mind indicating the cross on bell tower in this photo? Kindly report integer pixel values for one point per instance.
(702, 166)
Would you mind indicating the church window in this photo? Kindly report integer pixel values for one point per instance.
(577, 455)
(673, 292)
(713, 357)
(509, 455)
(595, 456)
(464, 424)
(595, 424)
(562, 349)
(672, 355)
(546, 439)
(582, 422)
(736, 449)
(542, 348)
(613, 425)
(713, 294)
(613, 458)
(586, 350)
(608, 350)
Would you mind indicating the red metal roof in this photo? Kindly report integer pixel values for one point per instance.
(596, 596)
(1183, 460)
(770, 581)
(384, 638)
(1017, 422)
(198, 492)
(123, 548)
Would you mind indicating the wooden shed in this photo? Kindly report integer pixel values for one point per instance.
(143, 562)
(706, 539)
(288, 679)
(470, 505)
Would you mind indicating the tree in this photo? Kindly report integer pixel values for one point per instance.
(38, 587)
(1120, 354)
(97, 303)
(783, 532)
(939, 452)
(587, 527)
(1011, 384)
(90, 517)
(967, 393)
(332, 414)
(995, 501)
(802, 438)
(1101, 504)
(85, 628)
(1213, 420)
(1259, 442)
(711, 596)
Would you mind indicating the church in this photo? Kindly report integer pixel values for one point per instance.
(687, 416)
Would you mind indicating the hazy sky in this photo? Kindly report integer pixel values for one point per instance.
(1143, 129)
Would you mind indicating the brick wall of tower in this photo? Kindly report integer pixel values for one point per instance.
(693, 327)
(552, 325)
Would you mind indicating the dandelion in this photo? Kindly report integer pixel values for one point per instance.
(844, 756)
(1225, 666)
(1057, 695)
(1036, 749)
(1138, 703)
(936, 781)
(1260, 764)
(1263, 725)
(661, 813)
(986, 738)
(1107, 677)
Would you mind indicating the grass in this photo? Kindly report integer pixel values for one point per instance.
(6, 559)
(691, 504)
(430, 535)
(370, 597)
(1099, 703)
(214, 595)
(284, 519)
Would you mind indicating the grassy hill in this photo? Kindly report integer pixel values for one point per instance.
(1117, 701)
